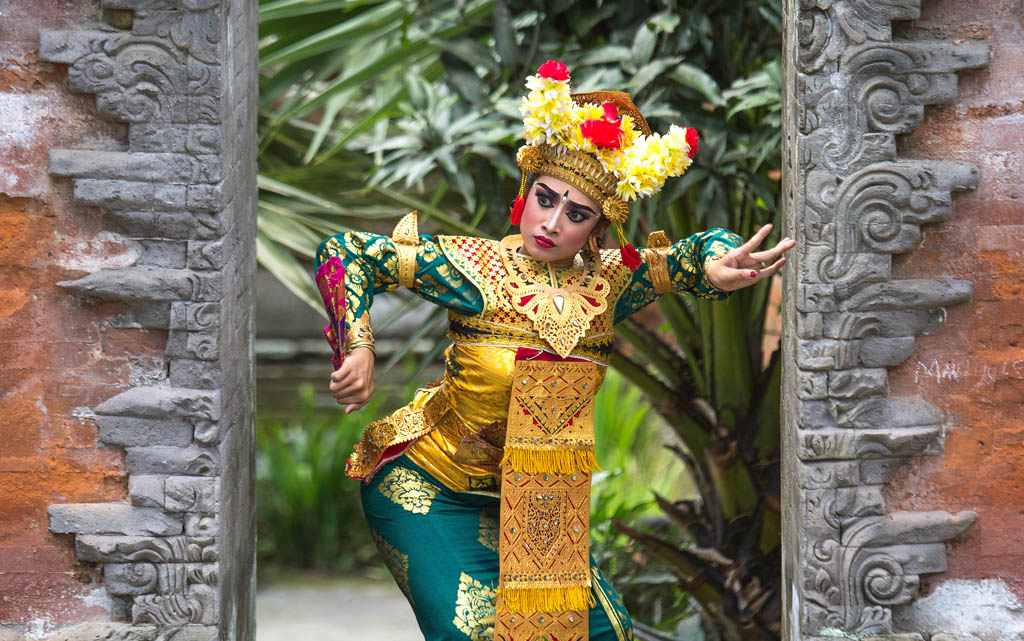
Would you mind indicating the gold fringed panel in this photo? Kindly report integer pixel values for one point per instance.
(546, 599)
(544, 556)
(561, 461)
(544, 548)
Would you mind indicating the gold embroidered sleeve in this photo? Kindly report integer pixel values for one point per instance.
(680, 267)
(376, 263)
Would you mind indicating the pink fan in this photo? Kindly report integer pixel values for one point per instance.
(330, 280)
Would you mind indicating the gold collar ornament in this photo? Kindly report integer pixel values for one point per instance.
(561, 308)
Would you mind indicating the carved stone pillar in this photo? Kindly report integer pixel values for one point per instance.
(851, 203)
(178, 553)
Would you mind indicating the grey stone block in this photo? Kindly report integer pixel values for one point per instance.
(853, 503)
(911, 294)
(163, 402)
(202, 525)
(102, 631)
(137, 196)
(121, 165)
(58, 45)
(147, 315)
(859, 412)
(129, 431)
(198, 317)
(206, 254)
(904, 411)
(815, 298)
(843, 444)
(809, 325)
(142, 5)
(196, 606)
(880, 471)
(195, 373)
(895, 323)
(192, 494)
(168, 137)
(906, 528)
(133, 549)
(138, 284)
(205, 197)
(197, 461)
(193, 633)
(885, 352)
(814, 415)
(857, 383)
(129, 579)
(112, 518)
(812, 385)
(203, 346)
(816, 354)
(146, 490)
(162, 253)
(151, 224)
(819, 475)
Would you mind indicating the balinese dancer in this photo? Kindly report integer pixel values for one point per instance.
(478, 491)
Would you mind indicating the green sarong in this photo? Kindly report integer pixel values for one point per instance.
(442, 548)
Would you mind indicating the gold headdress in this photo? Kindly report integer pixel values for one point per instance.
(600, 143)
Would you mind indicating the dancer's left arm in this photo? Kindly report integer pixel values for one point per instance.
(709, 265)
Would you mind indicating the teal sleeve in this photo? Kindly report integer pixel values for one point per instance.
(371, 267)
(686, 266)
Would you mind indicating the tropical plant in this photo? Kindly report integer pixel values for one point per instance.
(372, 108)
(306, 503)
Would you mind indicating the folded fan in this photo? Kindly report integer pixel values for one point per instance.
(330, 281)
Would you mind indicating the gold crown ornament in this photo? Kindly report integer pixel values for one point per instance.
(600, 143)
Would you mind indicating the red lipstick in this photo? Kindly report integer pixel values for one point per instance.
(543, 241)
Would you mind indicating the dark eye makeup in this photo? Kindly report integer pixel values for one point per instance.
(546, 199)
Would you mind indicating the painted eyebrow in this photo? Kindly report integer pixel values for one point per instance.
(554, 196)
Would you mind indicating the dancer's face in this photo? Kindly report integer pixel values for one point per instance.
(557, 221)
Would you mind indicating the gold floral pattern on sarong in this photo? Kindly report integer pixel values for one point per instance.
(408, 489)
(397, 563)
(488, 530)
(474, 609)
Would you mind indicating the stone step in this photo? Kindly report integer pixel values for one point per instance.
(112, 518)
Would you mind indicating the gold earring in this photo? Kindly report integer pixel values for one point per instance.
(592, 243)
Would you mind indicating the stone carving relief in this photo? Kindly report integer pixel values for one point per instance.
(852, 203)
(184, 190)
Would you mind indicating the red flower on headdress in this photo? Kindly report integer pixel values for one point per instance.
(611, 112)
(553, 70)
(630, 256)
(516, 211)
(602, 133)
(691, 139)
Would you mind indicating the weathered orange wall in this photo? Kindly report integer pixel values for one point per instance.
(57, 353)
(973, 366)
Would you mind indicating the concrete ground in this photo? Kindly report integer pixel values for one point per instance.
(333, 610)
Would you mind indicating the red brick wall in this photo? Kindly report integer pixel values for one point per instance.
(57, 353)
(974, 366)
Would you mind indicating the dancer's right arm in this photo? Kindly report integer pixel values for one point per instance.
(371, 264)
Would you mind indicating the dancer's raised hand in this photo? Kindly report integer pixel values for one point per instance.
(742, 267)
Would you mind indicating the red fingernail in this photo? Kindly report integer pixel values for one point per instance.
(752, 273)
